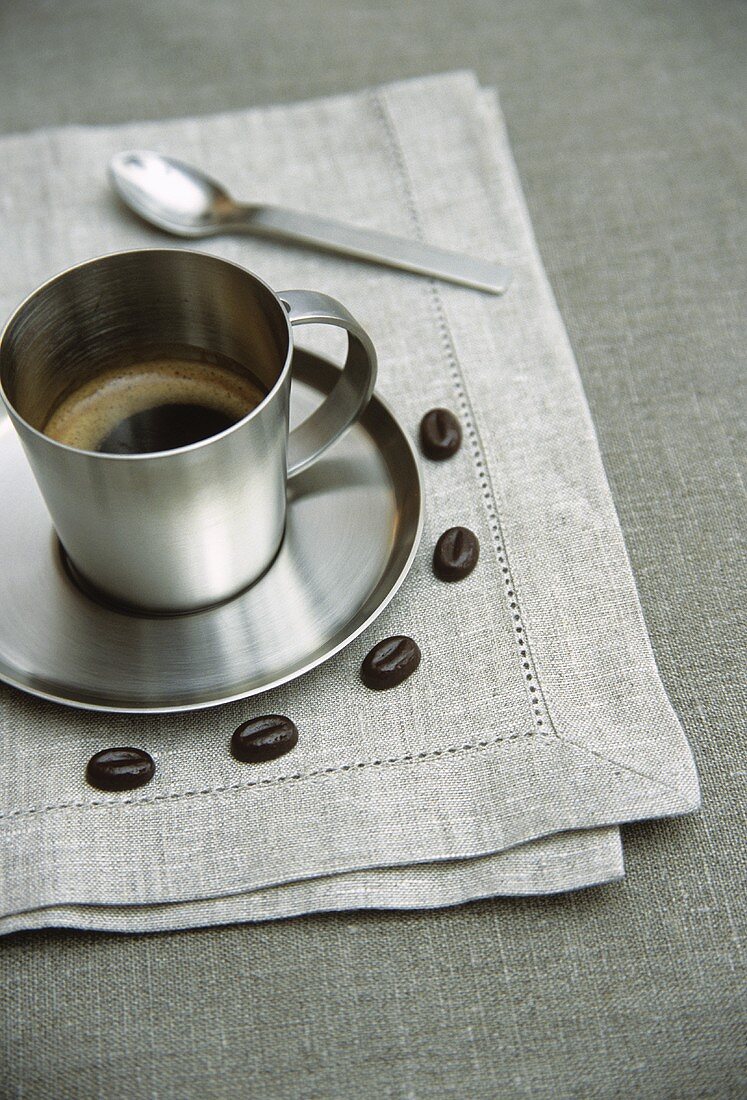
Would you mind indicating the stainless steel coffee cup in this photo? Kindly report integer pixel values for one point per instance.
(172, 530)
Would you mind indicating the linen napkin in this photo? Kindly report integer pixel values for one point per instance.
(537, 721)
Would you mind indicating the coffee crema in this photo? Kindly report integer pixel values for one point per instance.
(155, 405)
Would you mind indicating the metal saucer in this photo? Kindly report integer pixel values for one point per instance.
(354, 523)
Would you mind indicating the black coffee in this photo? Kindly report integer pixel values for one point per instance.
(155, 405)
(163, 428)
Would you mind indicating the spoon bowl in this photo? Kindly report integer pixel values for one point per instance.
(170, 194)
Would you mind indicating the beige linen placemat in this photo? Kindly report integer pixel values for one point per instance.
(537, 710)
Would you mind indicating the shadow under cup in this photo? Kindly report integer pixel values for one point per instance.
(179, 529)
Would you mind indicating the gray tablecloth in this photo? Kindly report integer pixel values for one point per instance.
(626, 120)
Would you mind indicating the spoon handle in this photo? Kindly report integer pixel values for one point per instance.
(289, 225)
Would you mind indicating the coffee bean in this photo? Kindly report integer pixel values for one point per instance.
(120, 769)
(264, 738)
(390, 662)
(456, 554)
(440, 434)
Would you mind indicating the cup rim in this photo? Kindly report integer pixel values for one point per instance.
(148, 456)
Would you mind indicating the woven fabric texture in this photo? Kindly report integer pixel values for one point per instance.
(537, 709)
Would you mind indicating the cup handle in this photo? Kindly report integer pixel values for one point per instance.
(351, 393)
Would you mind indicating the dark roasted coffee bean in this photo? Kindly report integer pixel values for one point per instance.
(264, 738)
(440, 434)
(456, 554)
(390, 662)
(120, 769)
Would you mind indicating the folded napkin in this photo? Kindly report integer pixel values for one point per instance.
(537, 721)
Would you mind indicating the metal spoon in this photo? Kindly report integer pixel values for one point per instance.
(182, 200)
